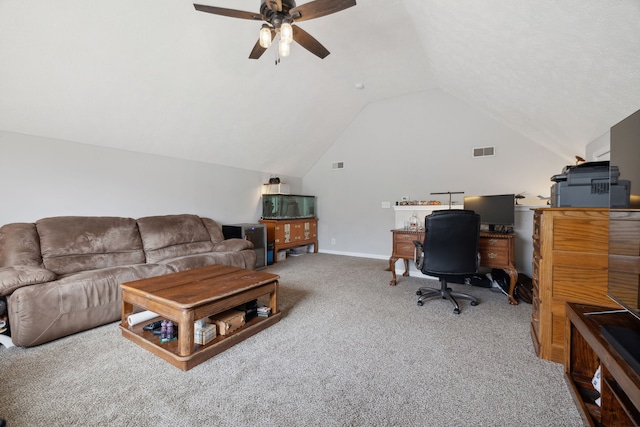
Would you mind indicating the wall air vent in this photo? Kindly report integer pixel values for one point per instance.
(337, 165)
(484, 151)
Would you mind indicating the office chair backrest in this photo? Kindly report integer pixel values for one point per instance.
(451, 242)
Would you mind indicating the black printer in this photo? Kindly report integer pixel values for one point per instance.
(590, 185)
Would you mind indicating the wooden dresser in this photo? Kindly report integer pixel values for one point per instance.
(570, 259)
(624, 254)
(289, 233)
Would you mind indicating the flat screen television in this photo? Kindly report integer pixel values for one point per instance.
(497, 212)
(624, 281)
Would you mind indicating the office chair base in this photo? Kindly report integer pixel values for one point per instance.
(444, 293)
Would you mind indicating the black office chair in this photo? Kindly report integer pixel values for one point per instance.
(449, 251)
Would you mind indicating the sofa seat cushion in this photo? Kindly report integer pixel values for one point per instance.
(242, 259)
(170, 236)
(12, 278)
(70, 244)
(233, 245)
(19, 245)
(74, 303)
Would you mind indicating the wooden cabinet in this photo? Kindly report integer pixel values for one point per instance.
(285, 234)
(624, 255)
(587, 349)
(570, 259)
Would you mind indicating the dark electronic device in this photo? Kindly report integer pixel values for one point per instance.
(255, 233)
(250, 309)
(625, 288)
(590, 185)
(626, 341)
(496, 211)
(151, 326)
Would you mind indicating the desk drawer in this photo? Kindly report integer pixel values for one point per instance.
(403, 250)
(403, 246)
(494, 251)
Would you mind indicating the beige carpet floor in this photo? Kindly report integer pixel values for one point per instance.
(350, 350)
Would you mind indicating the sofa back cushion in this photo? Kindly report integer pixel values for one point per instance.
(19, 245)
(171, 236)
(214, 230)
(77, 243)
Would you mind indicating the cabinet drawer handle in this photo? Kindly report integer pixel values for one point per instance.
(492, 255)
(493, 242)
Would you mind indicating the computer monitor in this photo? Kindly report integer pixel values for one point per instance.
(496, 211)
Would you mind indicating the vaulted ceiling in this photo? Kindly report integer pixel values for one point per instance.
(156, 76)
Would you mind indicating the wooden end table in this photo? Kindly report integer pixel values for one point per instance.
(188, 296)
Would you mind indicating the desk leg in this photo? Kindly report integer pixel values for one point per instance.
(392, 267)
(406, 267)
(513, 276)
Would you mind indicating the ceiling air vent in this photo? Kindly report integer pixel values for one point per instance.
(484, 151)
(337, 165)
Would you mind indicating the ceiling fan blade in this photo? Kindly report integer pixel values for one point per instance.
(318, 8)
(229, 12)
(307, 41)
(258, 50)
(275, 5)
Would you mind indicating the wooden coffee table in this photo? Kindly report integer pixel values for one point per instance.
(192, 295)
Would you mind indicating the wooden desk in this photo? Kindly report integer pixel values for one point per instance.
(496, 251)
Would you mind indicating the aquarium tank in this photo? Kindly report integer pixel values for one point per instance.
(288, 206)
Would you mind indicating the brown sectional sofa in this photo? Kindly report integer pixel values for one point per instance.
(62, 275)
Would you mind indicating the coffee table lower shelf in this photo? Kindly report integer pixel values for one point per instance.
(169, 351)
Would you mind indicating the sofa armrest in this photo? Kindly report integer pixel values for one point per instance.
(233, 245)
(14, 277)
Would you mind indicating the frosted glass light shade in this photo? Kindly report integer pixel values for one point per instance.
(265, 37)
(286, 33)
(284, 48)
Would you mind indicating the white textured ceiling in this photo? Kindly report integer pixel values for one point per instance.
(156, 76)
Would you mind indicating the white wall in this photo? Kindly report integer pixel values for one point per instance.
(43, 177)
(599, 148)
(412, 146)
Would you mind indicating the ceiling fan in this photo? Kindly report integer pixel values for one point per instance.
(279, 16)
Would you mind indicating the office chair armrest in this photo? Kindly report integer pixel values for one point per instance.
(418, 254)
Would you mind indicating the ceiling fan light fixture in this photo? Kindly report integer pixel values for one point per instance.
(265, 36)
(286, 33)
(284, 48)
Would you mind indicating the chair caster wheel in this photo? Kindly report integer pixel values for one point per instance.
(456, 310)
(474, 303)
(418, 293)
(419, 303)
